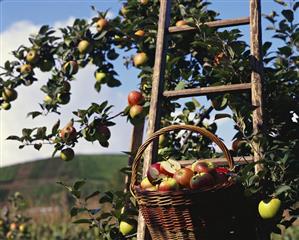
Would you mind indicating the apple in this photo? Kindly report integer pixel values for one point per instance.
(181, 23)
(103, 132)
(9, 235)
(218, 58)
(84, 46)
(48, 100)
(13, 226)
(22, 228)
(32, 56)
(66, 86)
(269, 209)
(68, 133)
(139, 33)
(168, 184)
(154, 174)
(25, 69)
(135, 98)
(140, 59)
(136, 111)
(46, 65)
(201, 181)
(71, 67)
(203, 167)
(67, 154)
(126, 227)
(183, 177)
(144, 2)
(163, 140)
(5, 105)
(9, 94)
(145, 183)
(63, 98)
(169, 167)
(220, 177)
(100, 76)
(101, 24)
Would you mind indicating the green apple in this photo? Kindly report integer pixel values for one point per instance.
(126, 228)
(5, 106)
(140, 59)
(100, 76)
(26, 69)
(67, 154)
(84, 46)
(268, 210)
(9, 94)
(136, 111)
(48, 100)
(32, 56)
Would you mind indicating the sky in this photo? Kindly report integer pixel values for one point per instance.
(20, 18)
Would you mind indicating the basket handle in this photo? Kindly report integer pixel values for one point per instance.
(161, 131)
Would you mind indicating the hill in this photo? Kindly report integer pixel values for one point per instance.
(37, 180)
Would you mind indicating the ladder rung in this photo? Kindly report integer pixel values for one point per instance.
(207, 90)
(218, 23)
(221, 161)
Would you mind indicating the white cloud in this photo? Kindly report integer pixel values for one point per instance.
(11, 122)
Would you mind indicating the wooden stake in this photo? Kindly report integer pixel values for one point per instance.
(257, 74)
(136, 141)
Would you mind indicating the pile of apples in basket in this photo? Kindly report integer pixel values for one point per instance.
(170, 175)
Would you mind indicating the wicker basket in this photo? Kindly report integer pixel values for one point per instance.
(192, 214)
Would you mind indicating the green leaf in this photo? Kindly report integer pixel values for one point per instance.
(196, 103)
(26, 132)
(222, 115)
(281, 2)
(180, 86)
(281, 189)
(92, 195)
(74, 211)
(79, 184)
(83, 220)
(43, 29)
(13, 137)
(34, 114)
(38, 146)
(288, 14)
(55, 127)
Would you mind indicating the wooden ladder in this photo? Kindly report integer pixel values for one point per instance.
(157, 94)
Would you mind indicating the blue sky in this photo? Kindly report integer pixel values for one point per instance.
(22, 17)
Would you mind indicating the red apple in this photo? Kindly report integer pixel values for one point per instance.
(202, 181)
(68, 133)
(220, 178)
(168, 184)
(169, 167)
(154, 174)
(203, 167)
(103, 133)
(183, 176)
(135, 98)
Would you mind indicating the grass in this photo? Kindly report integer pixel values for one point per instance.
(39, 185)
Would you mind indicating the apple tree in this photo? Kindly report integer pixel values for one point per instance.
(207, 57)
